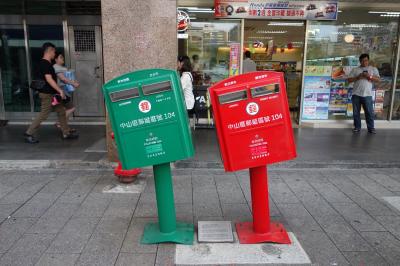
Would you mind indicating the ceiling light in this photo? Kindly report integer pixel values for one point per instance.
(383, 12)
(201, 11)
(272, 31)
(294, 24)
(194, 8)
(349, 38)
(390, 15)
(260, 37)
(364, 26)
(197, 9)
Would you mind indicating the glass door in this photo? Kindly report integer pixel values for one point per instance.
(38, 35)
(14, 74)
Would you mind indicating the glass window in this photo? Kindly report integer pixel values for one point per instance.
(209, 47)
(13, 67)
(39, 34)
(278, 45)
(333, 51)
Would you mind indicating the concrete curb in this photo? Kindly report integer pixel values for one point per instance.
(297, 165)
(181, 165)
(24, 164)
(59, 164)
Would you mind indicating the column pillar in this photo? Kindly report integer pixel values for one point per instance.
(137, 34)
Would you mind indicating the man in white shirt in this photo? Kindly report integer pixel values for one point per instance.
(363, 78)
(248, 64)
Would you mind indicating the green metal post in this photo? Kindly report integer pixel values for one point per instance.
(167, 229)
(165, 197)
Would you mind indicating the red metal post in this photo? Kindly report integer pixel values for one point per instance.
(259, 199)
(261, 229)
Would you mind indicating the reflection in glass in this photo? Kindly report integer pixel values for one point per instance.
(209, 49)
(14, 69)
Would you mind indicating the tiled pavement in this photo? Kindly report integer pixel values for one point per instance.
(61, 217)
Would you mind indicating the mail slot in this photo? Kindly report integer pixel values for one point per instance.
(148, 118)
(253, 120)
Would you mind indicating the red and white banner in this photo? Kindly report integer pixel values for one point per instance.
(275, 9)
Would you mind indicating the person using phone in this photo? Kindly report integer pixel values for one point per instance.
(363, 77)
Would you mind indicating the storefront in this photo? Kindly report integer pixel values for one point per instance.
(315, 46)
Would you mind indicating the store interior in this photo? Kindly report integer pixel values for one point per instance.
(279, 46)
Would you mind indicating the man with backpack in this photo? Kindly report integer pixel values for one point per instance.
(49, 92)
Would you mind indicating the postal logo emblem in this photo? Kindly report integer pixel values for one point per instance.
(252, 108)
(144, 106)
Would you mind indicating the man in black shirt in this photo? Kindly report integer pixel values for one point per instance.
(46, 72)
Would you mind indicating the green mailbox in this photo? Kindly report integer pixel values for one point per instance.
(151, 127)
(148, 118)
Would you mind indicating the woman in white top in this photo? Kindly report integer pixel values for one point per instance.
(185, 68)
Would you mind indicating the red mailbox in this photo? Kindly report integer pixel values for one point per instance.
(254, 129)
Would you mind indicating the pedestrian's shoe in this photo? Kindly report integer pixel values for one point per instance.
(356, 130)
(372, 131)
(30, 139)
(70, 135)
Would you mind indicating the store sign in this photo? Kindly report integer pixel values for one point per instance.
(234, 62)
(182, 21)
(183, 36)
(275, 9)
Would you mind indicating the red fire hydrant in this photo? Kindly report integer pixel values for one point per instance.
(125, 176)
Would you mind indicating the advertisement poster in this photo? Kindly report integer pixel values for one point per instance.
(349, 111)
(234, 62)
(379, 99)
(317, 88)
(275, 9)
(317, 83)
(339, 97)
(341, 72)
(324, 71)
(316, 104)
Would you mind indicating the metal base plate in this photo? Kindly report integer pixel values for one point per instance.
(183, 234)
(277, 234)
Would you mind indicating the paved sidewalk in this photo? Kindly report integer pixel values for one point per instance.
(61, 217)
(89, 147)
(315, 147)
